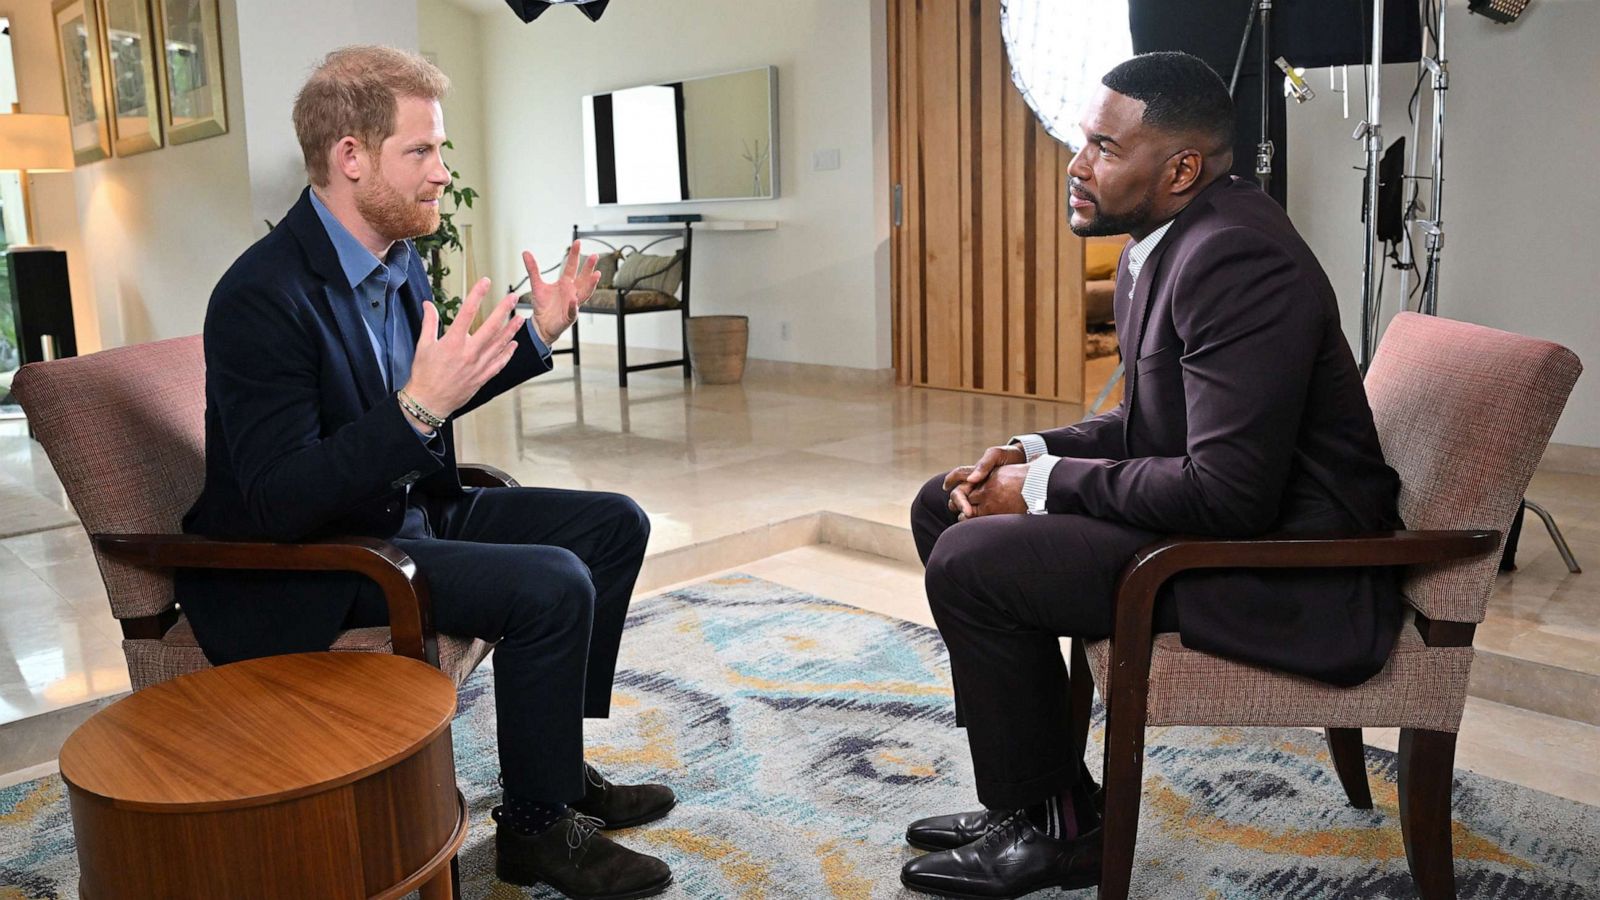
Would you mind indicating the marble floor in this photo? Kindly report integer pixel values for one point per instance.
(789, 475)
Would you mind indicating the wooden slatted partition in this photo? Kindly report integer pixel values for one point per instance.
(988, 279)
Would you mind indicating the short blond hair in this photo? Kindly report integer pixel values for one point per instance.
(356, 91)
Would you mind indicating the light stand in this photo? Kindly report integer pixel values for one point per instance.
(1438, 68)
(1434, 228)
(1371, 130)
(1259, 18)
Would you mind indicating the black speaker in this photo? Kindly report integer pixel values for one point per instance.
(41, 303)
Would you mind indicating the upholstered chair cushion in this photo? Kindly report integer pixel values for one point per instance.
(637, 300)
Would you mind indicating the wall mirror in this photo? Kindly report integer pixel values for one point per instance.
(710, 138)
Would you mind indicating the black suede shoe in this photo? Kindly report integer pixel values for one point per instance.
(952, 831)
(575, 859)
(1013, 859)
(622, 805)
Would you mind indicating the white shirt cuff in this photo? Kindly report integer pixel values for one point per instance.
(1032, 445)
(1036, 487)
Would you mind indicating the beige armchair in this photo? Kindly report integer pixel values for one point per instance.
(125, 430)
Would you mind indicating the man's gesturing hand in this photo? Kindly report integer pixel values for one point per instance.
(449, 368)
(555, 304)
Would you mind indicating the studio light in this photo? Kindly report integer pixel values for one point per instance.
(528, 10)
(1059, 49)
(1502, 11)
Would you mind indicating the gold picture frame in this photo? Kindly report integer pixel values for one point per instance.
(194, 104)
(133, 91)
(82, 58)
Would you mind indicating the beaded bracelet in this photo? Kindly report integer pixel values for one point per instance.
(418, 411)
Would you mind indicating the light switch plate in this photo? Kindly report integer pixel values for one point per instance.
(825, 160)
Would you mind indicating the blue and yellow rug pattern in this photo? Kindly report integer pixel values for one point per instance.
(802, 735)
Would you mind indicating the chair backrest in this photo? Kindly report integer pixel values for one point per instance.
(1464, 414)
(125, 431)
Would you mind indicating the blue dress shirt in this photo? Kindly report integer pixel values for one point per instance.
(375, 285)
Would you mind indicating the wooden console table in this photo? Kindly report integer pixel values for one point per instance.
(324, 775)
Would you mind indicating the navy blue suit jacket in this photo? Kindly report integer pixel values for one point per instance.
(303, 439)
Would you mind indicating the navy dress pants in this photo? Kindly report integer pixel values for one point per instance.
(547, 575)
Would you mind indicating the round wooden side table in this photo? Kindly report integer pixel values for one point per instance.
(325, 775)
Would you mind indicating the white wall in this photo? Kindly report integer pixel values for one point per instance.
(282, 41)
(824, 270)
(1520, 190)
(448, 34)
(161, 227)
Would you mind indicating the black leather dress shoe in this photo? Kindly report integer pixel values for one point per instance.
(952, 831)
(575, 859)
(961, 829)
(1013, 859)
(622, 805)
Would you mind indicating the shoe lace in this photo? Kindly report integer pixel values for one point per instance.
(593, 776)
(583, 827)
(999, 828)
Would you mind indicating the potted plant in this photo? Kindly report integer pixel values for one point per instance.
(447, 237)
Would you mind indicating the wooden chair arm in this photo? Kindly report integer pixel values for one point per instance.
(1127, 693)
(481, 475)
(1155, 564)
(404, 590)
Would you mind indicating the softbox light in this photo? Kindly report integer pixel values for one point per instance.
(528, 10)
(1059, 50)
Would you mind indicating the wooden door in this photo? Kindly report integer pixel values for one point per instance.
(987, 279)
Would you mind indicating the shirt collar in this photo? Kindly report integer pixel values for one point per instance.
(1142, 250)
(355, 259)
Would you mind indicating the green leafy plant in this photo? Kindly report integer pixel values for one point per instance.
(447, 237)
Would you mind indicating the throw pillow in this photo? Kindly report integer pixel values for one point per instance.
(606, 265)
(649, 272)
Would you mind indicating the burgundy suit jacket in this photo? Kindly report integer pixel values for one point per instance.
(1244, 413)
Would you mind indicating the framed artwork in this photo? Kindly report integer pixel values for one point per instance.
(134, 95)
(193, 106)
(77, 24)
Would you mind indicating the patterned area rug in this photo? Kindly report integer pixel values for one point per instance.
(802, 736)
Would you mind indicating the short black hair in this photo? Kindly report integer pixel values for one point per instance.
(1181, 94)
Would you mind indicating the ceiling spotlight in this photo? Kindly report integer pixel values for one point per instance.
(528, 10)
(1502, 11)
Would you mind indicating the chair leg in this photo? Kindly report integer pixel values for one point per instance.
(622, 347)
(683, 328)
(577, 352)
(1427, 770)
(1125, 718)
(1349, 760)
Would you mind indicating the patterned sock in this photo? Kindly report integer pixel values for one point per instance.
(529, 817)
(1056, 816)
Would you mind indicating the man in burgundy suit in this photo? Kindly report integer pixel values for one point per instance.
(1244, 413)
